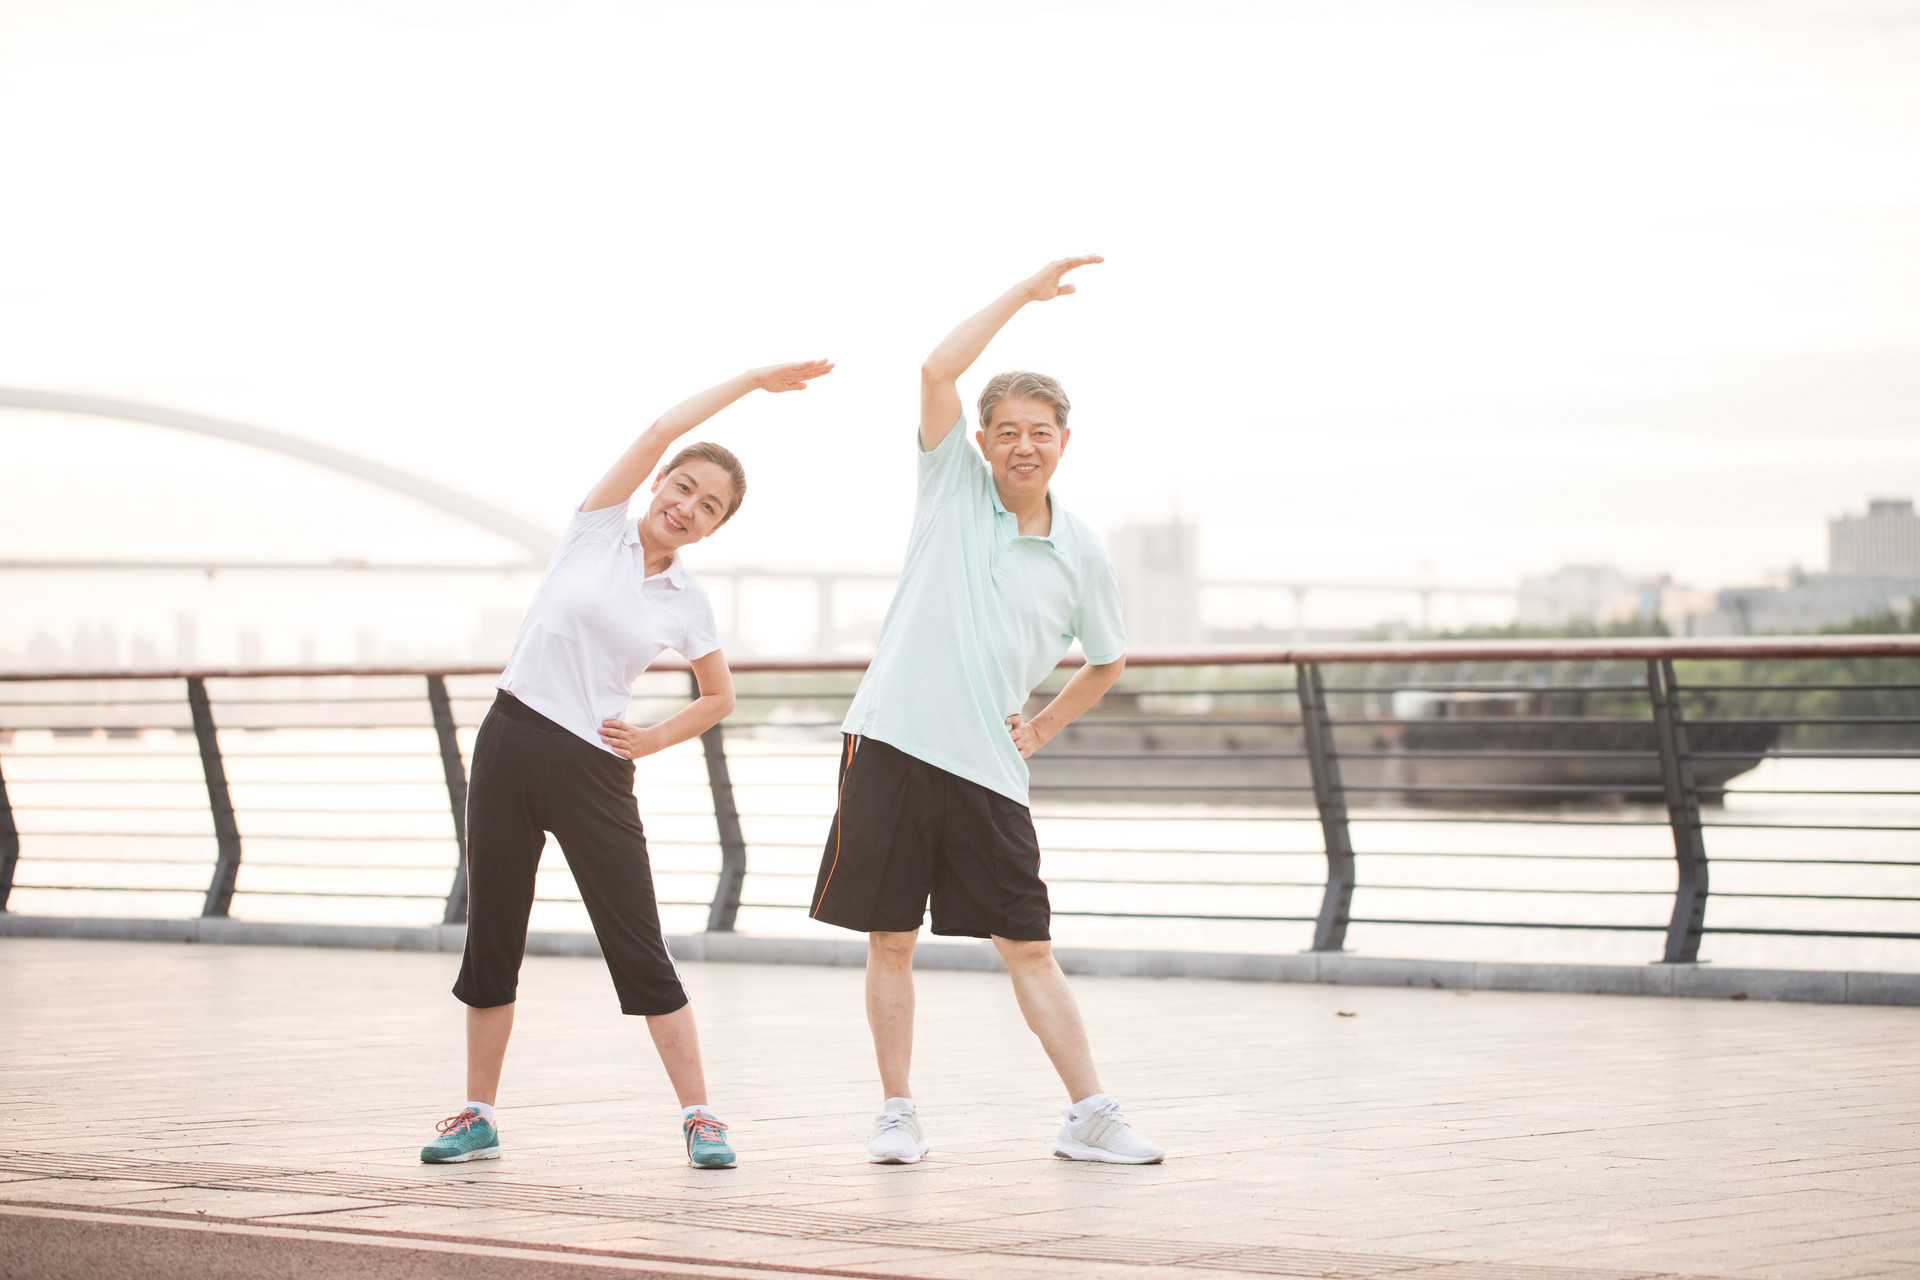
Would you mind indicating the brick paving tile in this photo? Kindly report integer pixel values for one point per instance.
(1496, 1137)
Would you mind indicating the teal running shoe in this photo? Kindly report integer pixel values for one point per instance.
(707, 1142)
(463, 1137)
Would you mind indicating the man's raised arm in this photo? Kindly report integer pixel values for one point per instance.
(940, 372)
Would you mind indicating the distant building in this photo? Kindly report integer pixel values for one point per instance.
(1159, 570)
(1589, 595)
(1873, 567)
(1808, 602)
(1884, 543)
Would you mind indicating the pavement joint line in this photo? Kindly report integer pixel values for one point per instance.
(531, 1251)
(852, 1229)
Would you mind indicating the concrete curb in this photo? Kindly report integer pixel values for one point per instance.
(1701, 982)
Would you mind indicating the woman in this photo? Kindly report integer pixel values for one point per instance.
(554, 756)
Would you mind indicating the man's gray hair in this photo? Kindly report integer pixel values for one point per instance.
(1020, 384)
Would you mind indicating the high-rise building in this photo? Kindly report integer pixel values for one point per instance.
(1159, 570)
(1884, 543)
(1873, 567)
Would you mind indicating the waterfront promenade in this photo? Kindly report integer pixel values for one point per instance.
(265, 1104)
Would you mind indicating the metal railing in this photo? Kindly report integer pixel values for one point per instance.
(1554, 737)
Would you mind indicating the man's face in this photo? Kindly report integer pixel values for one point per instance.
(1023, 444)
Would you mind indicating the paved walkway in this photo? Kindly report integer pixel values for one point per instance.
(280, 1094)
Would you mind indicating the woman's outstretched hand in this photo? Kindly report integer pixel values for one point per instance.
(1044, 285)
(790, 377)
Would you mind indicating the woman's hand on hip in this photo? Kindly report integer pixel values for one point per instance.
(629, 741)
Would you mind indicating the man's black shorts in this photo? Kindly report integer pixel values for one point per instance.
(906, 831)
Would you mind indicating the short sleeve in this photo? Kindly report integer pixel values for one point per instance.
(950, 468)
(701, 634)
(596, 525)
(1097, 623)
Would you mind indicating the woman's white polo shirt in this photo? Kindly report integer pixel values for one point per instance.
(598, 621)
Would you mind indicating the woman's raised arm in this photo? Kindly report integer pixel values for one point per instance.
(626, 476)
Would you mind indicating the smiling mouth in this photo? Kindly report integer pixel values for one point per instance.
(673, 525)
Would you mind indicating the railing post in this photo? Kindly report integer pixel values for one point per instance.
(733, 845)
(226, 831)
(9, 844)
(1683, 812)
(1330, 932)
(456, 772)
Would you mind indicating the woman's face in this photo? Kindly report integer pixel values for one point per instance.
(689, 503)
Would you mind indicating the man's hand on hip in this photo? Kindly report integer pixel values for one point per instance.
(1026, 735)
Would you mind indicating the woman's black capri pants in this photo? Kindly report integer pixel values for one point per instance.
(530, 776)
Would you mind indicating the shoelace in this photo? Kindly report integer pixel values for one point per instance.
(460, 1123)
(705, 1128)
(892, 1119)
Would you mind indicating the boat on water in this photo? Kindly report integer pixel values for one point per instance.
(1461, 750)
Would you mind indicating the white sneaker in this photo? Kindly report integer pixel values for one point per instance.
(897, 1138)
(1095, 1130)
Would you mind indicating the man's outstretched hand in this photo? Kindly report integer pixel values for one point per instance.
(1044, 285)
(792, 377)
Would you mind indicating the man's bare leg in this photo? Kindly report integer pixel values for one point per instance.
(1052, 1014)
(890, 1007)
(487, 1033)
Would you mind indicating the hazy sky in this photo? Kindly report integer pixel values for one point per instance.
(1464, 290)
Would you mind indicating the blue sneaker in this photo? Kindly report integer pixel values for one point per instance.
(463, 1137)
(707, 1142)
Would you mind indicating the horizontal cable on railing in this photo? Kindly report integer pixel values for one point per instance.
(356, 838)
(1508, 788)
(119, 808)
(1514, 924)
(1492, 753)
(1482, 819)
(421, 726)
(1126, 787)
(193, 891)
(1112, 915)
(1199, 722)
(1818, 933)
(1691, 687)
(334, 755)
(1693, 721)
(347, 701)
(326, 782)
(1778, 791)
(1556, 690)
(77, 732)
(1889, 754)
(1172, 755)
(1798, 826)
(146, 860)
(8, 705)
(8, 753)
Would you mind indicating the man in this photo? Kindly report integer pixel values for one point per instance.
(998, 581)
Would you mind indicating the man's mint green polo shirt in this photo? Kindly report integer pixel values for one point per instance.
(980, 617)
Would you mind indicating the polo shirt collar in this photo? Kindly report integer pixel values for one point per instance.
(675, 573)
(1053, 530)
